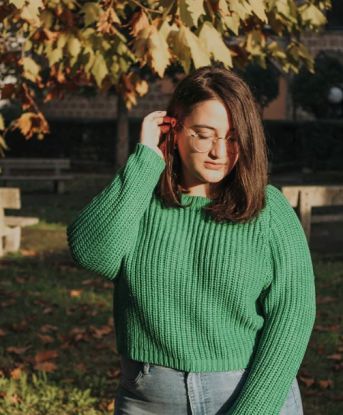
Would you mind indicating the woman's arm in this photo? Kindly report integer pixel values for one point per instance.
(290, 311)
(104, 230)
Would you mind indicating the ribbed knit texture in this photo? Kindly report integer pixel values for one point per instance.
(196, 295)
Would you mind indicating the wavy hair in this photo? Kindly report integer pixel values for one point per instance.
(241, 193)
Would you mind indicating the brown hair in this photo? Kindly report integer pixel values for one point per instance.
(242, 191)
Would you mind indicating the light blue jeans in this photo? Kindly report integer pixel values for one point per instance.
(148, 389)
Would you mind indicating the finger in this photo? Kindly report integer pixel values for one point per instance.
(160, 120)
(157, 113)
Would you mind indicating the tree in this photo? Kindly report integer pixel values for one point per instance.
(310, 90)
(256, 77)
(54, 47)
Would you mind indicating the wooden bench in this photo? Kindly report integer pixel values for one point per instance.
(10, 226)
(305, 197)
(35, 169)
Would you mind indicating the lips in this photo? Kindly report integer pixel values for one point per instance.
(214, 166)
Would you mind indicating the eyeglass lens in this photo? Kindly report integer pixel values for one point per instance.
(204, 139)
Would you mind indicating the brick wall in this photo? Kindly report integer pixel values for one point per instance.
(330, 40)
(105, 107)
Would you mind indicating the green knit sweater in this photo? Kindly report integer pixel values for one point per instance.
(197, 295)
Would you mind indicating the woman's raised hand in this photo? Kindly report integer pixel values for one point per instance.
(152, 128)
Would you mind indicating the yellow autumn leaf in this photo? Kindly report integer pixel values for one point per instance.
(53, 55)
(259, 8)
(18, 3)
(223, 8)
(141, 87)
(255, 42)
(232, 22)
(92, 12)
(275, 50)
(3, 145)
(190, 11)
(99, 69)
(89, 53)
(150, 46)
(30, 68)
(47, 18)
(214, 43)
(165, 28)
(30, 12)
(188, 43)
(242, 8)
(73, 46)
(62, 40)
(309, 12)
(158, 50)
(283, 7)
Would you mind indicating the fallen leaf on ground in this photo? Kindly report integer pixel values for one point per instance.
(45, 366)
(45, 355)
(17, 350)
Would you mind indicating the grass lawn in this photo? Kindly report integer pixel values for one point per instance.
(57, 350)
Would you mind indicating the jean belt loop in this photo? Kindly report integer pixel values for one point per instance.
(146, 368)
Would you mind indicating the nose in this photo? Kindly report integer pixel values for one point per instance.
(219, 148)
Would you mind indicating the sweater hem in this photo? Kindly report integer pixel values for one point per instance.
(186, 364)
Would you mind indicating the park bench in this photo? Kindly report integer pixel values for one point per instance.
(10, 226)
(34, 169)
(305, 197)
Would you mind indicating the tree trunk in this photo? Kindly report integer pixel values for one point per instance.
(121, 146)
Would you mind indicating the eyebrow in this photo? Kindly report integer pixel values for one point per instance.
(208, 126)
(203, 125)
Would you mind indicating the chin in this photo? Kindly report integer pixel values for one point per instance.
(212, 177)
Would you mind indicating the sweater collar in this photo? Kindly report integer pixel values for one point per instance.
(196, 201)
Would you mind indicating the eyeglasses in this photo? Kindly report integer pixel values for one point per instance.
(204, 140)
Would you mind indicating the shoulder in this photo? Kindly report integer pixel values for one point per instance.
(276, 200)
(283, 219)
(273, 193)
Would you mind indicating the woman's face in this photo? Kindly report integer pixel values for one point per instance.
(196, 172)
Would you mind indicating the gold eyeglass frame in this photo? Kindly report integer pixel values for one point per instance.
(195, 134)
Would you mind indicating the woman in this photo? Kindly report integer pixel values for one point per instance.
(214, 299)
